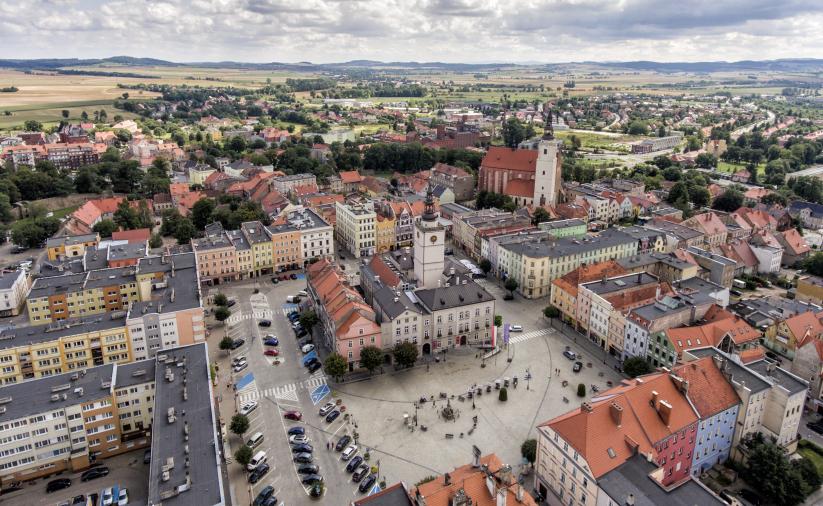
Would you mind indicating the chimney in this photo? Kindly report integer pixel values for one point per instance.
(447, 479)
(655, 397)
(617, 413)
(630, 500)
(585, 406)
(664, 409)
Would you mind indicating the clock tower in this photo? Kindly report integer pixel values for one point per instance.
(429, 245)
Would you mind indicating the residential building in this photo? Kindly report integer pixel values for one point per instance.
(355, 227)
(808, 365)
(710, 225)
(199, 172)
(14, 286)
(259, 238)
(656, 144)
(809, 214)
(216, 256)
(60, 248)
(386, 232)
(716, 268)
(680, 236)
(460, 182)
(558, 229)
(349, 181)
(666, 267)
(795, 248)
(565, 288)
(468, 230)
(809, 289)
(285, 184)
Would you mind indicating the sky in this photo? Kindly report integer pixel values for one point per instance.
(464, 31)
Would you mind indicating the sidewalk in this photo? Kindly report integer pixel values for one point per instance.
(582, 343)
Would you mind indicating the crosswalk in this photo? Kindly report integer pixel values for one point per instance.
(525, 336)
(264, 314)
(283, 392)
(288, 308)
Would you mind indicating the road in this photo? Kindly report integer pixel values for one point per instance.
(748, 128)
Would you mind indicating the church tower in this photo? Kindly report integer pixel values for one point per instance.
(429, 245)
(547, 177)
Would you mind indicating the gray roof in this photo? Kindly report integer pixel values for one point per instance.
(798, 205)
(563, 247)
(642, 232)
(644, 259)
(554, 225)
(696, 290)
(385, 298)
(779, 376)
(681, 231)
(620, 283)
(193, 407)
(711, 256)
(34, 334)
(632, 478)
(295, 177)
(394, 495)
(454, 208)
(127, 251)
(239, 240)
(44, 287)
(110, 277)
(94, 259)
(33, 397)
(71, 240)
(754, 382)
(255, 232)
(447, 297)
(134, 373)
(659, 309)
(8, 278)
(182, 292)
(72, 265)
(211, 242)
(164, 263)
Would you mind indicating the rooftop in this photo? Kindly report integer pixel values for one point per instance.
(779, 376)
(620, 283)
(71, 240)
(455, 295)
(128, 251)
(8, 278)
(737, 372)
(558, 248)
(645, 259)
(35, 334)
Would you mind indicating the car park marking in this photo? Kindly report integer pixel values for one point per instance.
(319, 393)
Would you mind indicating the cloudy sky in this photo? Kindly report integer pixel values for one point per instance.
(422, 30)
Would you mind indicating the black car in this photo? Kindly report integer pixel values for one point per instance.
(304, 341)
(97, 472)
(294, 315)
(293, 276)
(332, 416)
(301, 333)
(751, 496)
(354, 463)
(816, 426)
(308, 469)
(314, 366)
(302, 448)
(237, 343)
(147, 456)
(79, 499)
(303, 458)
(258, 473)
(311, 478)
(58, 484)
(297, 431)
(316, 490)
(361, 473)
(310, 361)
(342, 443)
(275, 280)
(265, 323)
(264, 494)
(231, 303)
(367, 483)
(577, 366)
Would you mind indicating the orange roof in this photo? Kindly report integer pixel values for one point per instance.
(586, 273)
(710, 334)
(186, 201)
(622, 301)
(472, 480)
(318, 200)
(708, 223)
(450, 170)
(92, 210)
(709, 391)
(136, 235)
(805, 324)
(498, 157)
(817, 343)
(795, 242)
(350, 176)
(741, 252)
(387, 276)
(750, 355)
(520, 188)
(757, 193)
(178, 189)
(755, 218)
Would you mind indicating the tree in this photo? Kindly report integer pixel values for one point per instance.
(32, 232)
(485, 265)
(33, 126)
(335, 365)
(239, 424)
(498, 320)
(581, 390)
(503, 396)
(529, 450)
(222, 313)
(105, 228)
(514, 132)
(201, 212)
(636, 366)
(729, 201)
(551, 312)
(243, 455)
(370, 358)
(127, 216)
(705, 161)
(226, 343)
(155, 241)
(768, 470)
(221, 300)
(5, 209)
(65, 113)
(405, 354)
(540, 215)
(511, 285)
(308, 319)
(185, 231)
(678, 191)
(812, 264)
(808, 471)
(700, 196)
(638, 127)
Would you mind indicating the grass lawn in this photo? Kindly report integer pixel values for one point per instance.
(62, 213)
(731, 168)
(812, 455)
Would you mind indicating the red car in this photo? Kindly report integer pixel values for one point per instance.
(271, 353)
(293, 415)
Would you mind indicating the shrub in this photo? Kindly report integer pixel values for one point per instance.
(504, 395)
(581, 390)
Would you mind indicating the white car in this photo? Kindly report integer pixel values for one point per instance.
(299, 439)
(238, 360)
(124, 497)
(308, 348)
(106, 498)
(248, 407)
(349, 452)
(327, 408)
(516, 328)
(239, 367)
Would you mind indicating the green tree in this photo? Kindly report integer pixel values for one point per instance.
(65, 113)
(678, 191)
(226, 343)
(185, 231)
(32, 232)
(485, 265)
(239, 424)
(33, 126)
(514, 132)
(221, 300)
(731, 200)
(511, 285)
(529, 450)
(126, 216)
(243, 455)
(335, 365)
(813, 264)
(768, 470)
(581, 390)
(155, 241)
(222, 313)
(551, 312)
(700, 196)
(237, 144)
(405, 353)
(540, 215)
(636, 366)
(308, 319)
(638, 127)
(705, 161)
(171, 219)
(370, 358)
(5, 209)
(105, 228)
(498, 320)
(503, 396)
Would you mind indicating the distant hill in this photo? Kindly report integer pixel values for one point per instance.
(781, 65)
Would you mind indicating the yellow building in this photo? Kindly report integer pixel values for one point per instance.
(285, 247)
(59, 248)
(39, 351)
(261, 246)
(386, 233)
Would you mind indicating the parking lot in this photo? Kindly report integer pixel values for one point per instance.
(382, 409)
(126, 470)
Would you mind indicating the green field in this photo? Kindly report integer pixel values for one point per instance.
(813, 456)
(731, 168)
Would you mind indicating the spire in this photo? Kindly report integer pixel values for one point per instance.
(428, 213)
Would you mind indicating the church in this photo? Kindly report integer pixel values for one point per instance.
(418, 298)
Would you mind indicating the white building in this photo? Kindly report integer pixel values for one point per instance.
(429, 246)
(355, 227)
(547, 179)
(14, 286)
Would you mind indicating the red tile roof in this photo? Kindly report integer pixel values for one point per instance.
(794, 242)
(520, 188)
(497, 157)
(709, 391)
(710, 334)
(350, 176)
(136, 235)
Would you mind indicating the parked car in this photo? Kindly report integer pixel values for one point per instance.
(264, 323)
(516, 328)
(361, 473)
(367, 483)
(298, 439)
(258, 473)
(78, 499)
(271, 340)
(96, 472)
(308, 469)
(301, 333)
(332, 416)
(58, 484)
(314, 366)
(292, 276)
(577, 366)
(570, 354)
(275, 280)
(303, 293)
(303, 458)
(354, 463)
(349, 452)
(147, 456)
(302, 448)
(241, 366)
(264, 494)
(327, 408)
(307, 348)
(342, 443)
(248, 407)
(107, 497)
(293, 415)
(231, 303)
(310, 361)
(311, 478)
(123, 499)
(237, 343)
(816, 426)
(236, 360)
(751, 496)
(297, 430)
(271, 353)
(316, 490)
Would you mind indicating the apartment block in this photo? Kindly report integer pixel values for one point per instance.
(355, 227)
(60, 248)
(14, 286)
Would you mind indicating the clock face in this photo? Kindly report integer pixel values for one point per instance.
(433, 238)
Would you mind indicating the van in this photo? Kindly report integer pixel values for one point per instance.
(255, 440)
(258, 459)
(293, 299)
